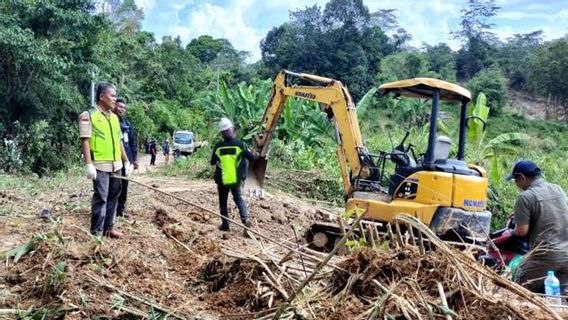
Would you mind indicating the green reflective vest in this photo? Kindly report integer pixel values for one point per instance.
(105, 136)
(230, 158)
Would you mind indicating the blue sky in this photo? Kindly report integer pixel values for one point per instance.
(245, 22)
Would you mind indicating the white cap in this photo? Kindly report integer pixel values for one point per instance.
(225, 124)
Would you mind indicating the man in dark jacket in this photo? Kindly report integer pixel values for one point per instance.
(153, 152)
(131, 148)
(230, 166)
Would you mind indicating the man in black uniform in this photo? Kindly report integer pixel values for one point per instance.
(131, 148)
(230, 169)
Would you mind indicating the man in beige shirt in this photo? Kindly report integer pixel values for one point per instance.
(104, 154)
(541, 214)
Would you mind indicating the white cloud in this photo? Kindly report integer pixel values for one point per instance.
(427, 21)
(146, 5)
(536, 7)
(221, 22)
(561, 15)
(518, 15)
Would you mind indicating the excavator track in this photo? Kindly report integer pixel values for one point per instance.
(323, 236)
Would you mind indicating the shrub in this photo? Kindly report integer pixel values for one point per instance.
(493, 83)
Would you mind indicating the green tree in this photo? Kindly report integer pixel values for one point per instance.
(514, 57)
(442, 61)
(342, 41)
(493, 83)
(403, 65)
(548, 70)
(45, 51)
(206, 49)
(477, 38)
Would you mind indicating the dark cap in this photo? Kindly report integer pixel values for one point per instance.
(526, 168)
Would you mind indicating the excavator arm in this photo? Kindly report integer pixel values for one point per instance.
(336, 102)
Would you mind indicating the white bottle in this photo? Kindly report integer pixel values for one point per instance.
(552, 289)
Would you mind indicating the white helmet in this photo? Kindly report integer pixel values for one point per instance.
(225, 124)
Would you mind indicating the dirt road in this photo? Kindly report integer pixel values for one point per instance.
(165, 244)
(173, 262)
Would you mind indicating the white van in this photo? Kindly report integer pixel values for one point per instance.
(184, 142)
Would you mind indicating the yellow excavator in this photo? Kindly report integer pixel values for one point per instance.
(446, 194)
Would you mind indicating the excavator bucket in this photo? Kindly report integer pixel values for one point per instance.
(255, 176)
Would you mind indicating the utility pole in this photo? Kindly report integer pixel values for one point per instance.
(92, 87)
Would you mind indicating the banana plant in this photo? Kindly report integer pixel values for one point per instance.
(245, 105)
(477, 119)
(366, 101)
(489, 153)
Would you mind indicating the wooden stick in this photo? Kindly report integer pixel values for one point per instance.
(267, 238)
(8, 311)
(444, 301)
(179, 242)
(391, 235)
(298, 243)
(341, 224)
(104, 283)
(398, 234)
(411, 233)
(376, 232)
(319, 267)
(371, 236)
(421, 243)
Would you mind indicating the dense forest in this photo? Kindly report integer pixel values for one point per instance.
(51, 51)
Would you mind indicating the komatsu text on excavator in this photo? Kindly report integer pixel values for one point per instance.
(446, 194)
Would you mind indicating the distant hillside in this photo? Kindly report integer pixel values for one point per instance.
(534, 107)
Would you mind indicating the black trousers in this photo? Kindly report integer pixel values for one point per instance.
(123, 195)
(153, 159)
(239, 201)
(104, 202)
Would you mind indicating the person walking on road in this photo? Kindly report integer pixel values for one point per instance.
(131, 148)
(228, 158)
(166, 150)
(541, 214)
(104, 154)
(153, 152)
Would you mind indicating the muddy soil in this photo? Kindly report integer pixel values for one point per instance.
(172, 260)
(162, 258)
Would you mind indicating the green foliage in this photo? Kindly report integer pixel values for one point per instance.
(442, 62)
(33, 314)
(56, 279)
(477, 37)
(42, 47)
(403, 65)
(514, 57)
(493, 83)
(25, 248)
(342, 41)
(547, 71)
(477, 119)
(206, 49)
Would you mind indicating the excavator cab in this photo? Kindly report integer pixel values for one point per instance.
(436, 157)
(445, 193)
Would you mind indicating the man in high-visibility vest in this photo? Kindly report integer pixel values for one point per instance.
(230, 169)
(104, 154)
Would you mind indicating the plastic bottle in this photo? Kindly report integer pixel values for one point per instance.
(552, 289)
